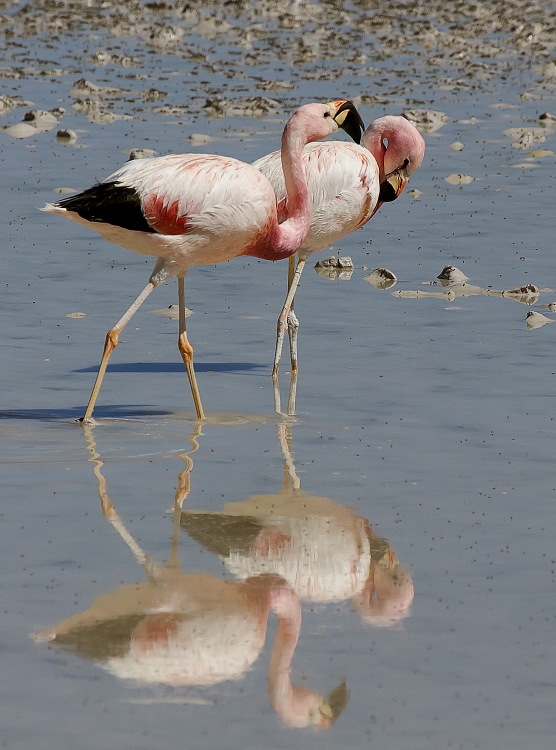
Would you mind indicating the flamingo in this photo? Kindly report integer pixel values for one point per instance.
(348, 183)
(196, 209)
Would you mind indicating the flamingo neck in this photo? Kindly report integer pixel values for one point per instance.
(290, 234)
(373, 141)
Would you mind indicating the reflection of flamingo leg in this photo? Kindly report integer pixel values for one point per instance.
(109, 510)
(285, 438)
(152, 569)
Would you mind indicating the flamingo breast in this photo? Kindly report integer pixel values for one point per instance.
(343, 183)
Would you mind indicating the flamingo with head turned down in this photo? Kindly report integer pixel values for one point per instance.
(348, 183)
(196, 209)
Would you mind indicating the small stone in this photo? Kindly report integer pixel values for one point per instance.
(536, 320)
(547, 120)
(457, 146)
(66, 136)
(333, 262)
(452, 275)
(140, 153)
(426, 120)
(199, 139)
(381, 278)
(459, 179)
(172, 312)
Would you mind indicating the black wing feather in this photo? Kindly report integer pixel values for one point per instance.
(109, 203)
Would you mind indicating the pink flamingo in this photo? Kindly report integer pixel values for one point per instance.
(196, 209)
(347, 184)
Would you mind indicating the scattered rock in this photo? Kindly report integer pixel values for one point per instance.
(333, 262)
(457, 146)
(550, 306)
(520, 290)
(94, 113)
(20, 130)
(199, 139)
(540, 153)
(152, 95)
(547, 120)
(381, 278)
(414, 193)
(274, 85)
(459, 179)
(34, 122)
(333, 268)
(536, 320)
(7, 103)
(452, 275)
(165, 36)
(172, 312)
(82, 87)
(253, 106)
(140, 153)
(66, 136)
(426, 120)
(524, 138)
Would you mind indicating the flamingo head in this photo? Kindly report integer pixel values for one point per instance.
(398, 148)
(312, 122)
(346, 116)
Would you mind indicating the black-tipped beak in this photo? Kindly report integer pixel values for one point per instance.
(348, 118)
(334, 704)
(393, 185)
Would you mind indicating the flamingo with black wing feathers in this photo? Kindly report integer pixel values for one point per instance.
(196, 209)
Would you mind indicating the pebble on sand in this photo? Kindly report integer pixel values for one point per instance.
(381, 278)
(459, 179)
(536, 320)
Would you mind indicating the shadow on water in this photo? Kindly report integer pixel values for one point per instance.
(145, 367)
(76, 412)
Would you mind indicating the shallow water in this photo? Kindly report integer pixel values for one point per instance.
(426, 421)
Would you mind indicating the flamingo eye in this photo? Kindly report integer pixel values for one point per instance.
(405, 164)
(327, 114)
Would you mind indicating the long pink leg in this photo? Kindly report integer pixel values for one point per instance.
(110, 344)
(283, 319)
(186, 351)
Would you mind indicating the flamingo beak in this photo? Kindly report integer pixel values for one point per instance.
(348, 118)
(393, 185)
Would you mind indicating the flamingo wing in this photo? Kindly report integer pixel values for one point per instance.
(178, 194)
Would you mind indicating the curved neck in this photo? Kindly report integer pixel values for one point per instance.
(290, 234)
(373, 141)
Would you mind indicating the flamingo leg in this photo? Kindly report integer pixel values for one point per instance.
(292, 394)
(283, 319)
(110, 344)
(186, 351)
(293, 327)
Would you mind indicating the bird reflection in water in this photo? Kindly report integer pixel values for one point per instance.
(193, 629)
(322, 549)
